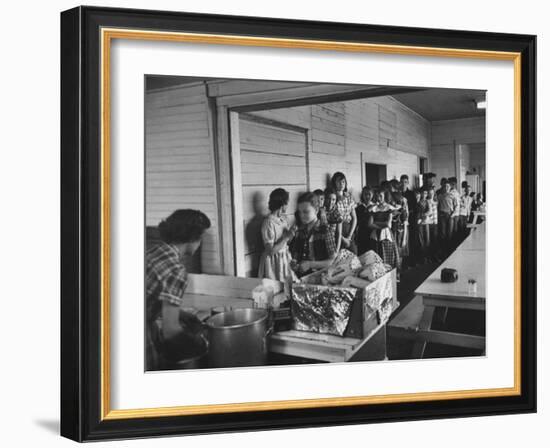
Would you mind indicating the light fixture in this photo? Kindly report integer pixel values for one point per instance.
(482, 104)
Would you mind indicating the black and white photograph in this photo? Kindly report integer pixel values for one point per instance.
(297, 223)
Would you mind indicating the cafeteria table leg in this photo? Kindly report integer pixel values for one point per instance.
(440, 316)
(425, 324)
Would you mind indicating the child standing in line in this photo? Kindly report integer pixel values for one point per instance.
(432, 223)
(422, 222)
(363, 211)
(320, 205)
(275, 261)
(346, 204)
(464, 211)
(333, 217)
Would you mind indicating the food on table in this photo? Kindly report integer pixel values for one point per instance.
(336, 274)
(369, 266)
(355, 282)
(373, 271)
(347, 259)
(369, 257)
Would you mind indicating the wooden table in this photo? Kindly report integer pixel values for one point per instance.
(330, 348)
(476, 240)
(416, 320)
(476, 214)
(470, 264)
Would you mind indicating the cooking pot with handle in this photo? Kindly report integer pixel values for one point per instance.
(238, 337)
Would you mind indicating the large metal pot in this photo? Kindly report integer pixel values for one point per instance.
(184, 353)
(238, 338)
(196, 362)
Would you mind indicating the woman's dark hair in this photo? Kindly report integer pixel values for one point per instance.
(307, 197)
(336, 177)
(183, 226)
(277, 199)
(318, 192)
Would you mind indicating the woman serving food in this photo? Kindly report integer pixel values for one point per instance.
(169, 329)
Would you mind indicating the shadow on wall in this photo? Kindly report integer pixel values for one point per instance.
(328, 177)
(253, 231)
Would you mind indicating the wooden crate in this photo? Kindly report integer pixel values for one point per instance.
(366, 312)
(206, 291)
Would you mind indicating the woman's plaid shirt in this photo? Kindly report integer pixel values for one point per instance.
(166, 278)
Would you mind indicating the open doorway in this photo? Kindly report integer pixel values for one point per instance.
(375, 173)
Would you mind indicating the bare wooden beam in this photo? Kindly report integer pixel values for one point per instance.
(303, 97)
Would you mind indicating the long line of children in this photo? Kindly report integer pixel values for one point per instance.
(405, 227)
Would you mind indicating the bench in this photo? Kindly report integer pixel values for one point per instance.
(414, 323)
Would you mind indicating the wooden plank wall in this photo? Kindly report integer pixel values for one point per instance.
(328, 128)
(180, 170)
(447, 133)
(363, 140)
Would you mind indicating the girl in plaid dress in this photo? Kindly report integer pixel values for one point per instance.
(333, 217)
(346, 205)
(382, 237)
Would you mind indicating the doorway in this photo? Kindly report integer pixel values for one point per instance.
(375, 173)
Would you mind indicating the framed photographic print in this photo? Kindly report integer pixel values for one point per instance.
(275, 224)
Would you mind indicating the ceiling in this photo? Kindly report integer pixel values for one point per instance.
(443, 104)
